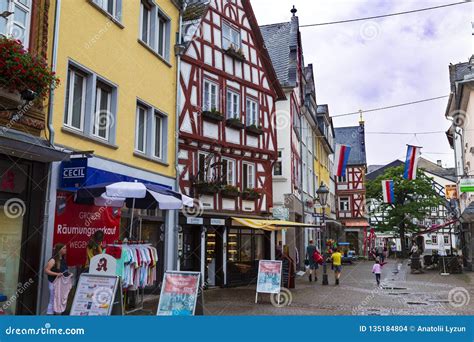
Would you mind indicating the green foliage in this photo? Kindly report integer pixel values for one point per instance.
(413, 200)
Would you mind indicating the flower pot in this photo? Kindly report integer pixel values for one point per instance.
(230, 194)
(254, 130)
(207, 188)
(213, 116)
(250, 196)
(235, 123)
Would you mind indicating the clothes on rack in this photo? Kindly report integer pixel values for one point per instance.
(136, 264)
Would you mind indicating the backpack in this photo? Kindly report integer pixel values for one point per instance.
(317, 257)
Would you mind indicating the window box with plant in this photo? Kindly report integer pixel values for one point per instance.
(213, 115)
(254, 129)
(235, 53)
(251, 194)
(207, 188)
(24, 72)
(235, 123)
(230, 191)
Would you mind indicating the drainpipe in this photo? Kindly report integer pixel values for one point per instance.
(179, 50)
(50, 127)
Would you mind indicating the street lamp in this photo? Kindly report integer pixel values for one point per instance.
(322, 194)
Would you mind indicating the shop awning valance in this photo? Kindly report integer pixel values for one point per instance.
(270, 225)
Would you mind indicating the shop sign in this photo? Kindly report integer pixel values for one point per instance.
(451, 192)
(74, 172)
(103, 264)
(179, 294)
(269, 276)
(94, 295)
(195, 221)
(12, 178)
(466, 185)
(217, 222)
(74, 224)
(281, 213)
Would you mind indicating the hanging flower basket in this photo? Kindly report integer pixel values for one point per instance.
(20, 70)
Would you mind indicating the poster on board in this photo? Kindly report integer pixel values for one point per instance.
(179, 294)
(269, 276)
(95, 295)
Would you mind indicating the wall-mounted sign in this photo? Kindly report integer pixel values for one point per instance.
(466, 185)
(217, 222)
(73, 173)
(179, 294)
(195, 221)
(281, 213)
(103, 264)
(451, 192)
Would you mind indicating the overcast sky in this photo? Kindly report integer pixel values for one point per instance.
(375, 63)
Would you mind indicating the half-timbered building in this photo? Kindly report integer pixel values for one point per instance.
(350, 189)
(227, 140)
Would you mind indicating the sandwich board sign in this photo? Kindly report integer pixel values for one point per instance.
(179, 294)
(269, 277)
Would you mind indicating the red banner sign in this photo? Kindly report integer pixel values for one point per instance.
(74, 225)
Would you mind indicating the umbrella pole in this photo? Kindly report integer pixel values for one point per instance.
(131, 219)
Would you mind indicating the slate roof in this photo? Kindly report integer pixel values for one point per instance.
(281, 41)
(428, 166)
(461, 71)
(355, 138)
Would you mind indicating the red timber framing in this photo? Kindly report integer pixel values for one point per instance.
(253, 79)
(353, 189)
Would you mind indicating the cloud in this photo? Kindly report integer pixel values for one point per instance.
(375, 63)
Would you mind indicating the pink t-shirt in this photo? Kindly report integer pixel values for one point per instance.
(377, 269)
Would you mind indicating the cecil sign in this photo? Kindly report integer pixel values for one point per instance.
(74, 225)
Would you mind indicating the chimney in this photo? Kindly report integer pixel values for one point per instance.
(440, 163)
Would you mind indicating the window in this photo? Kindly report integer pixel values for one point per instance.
(151, 132)
(75, 99)
(434, 239)
(230, 37)
(141, 129)
(112, 7)
(155, 28)
(90, 104)
(248, 177)
(233, 105)
(252, 113)
(344, 204)
(145, 30)
(205, 167)
(278, 168)
(342, 179)
(103, 118)
(446, 239)
(210, 100)
(228, 171)
(16, 25)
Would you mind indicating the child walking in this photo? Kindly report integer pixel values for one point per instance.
(377, 270)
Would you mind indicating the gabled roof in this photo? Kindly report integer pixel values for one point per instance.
(192, 18)
(355, 138)
(282, 41)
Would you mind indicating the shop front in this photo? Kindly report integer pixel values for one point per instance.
(24, 162)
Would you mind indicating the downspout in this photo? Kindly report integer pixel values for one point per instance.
(178, 53)
(47, 204)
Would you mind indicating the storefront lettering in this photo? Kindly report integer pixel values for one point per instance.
(67, 230)
(74, 172)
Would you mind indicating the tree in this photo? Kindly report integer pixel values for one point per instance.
(413, 200)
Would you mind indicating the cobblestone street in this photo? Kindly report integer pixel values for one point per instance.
(401, 293)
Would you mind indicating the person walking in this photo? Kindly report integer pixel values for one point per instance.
(56, 267)
(377, 270)
(94, 247)
(336, 258)
(313, 265)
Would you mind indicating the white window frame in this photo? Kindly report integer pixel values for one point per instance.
(434, 239)
(280, 161)
(96, 118)
(234, 102)
(157, 115)
(207, 102)
(208, 173)
(344, 200)
(162, 17)
(231, 168)
(227, 42)
(144, 8)
(252, 112)
(69, 110)
(103, 4)
(446, 239)
(251, 176)
(10, 20)
(145, 128)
